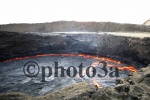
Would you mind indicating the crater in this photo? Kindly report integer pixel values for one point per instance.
(120, 52)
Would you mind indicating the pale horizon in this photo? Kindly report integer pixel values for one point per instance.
(41, 11)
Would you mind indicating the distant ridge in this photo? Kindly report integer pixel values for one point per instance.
(63, 26)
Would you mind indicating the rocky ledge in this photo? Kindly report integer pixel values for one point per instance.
(135, 87)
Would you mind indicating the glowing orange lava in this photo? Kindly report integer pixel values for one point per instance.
(117, 63)
(97, 84)
(111, 62)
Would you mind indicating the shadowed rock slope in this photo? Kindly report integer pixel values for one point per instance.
(26, 44)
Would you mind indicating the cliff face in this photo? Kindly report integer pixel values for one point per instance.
(141, 48)
(64, 26)
(27, 44)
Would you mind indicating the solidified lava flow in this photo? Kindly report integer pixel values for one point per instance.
(118, 64)
(110, 62)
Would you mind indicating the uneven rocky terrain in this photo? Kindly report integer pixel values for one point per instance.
(134, 87)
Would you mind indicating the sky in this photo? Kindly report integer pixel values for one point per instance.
(38, 11)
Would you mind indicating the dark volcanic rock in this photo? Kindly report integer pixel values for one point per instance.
(85, 91)
(141, 49)
(124, 91)
(122, 88)
(27, 44)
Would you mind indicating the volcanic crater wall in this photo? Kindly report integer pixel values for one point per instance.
(26, 44)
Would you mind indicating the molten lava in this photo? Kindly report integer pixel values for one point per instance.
(111, 62)
(116, 64)
(97, 84)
